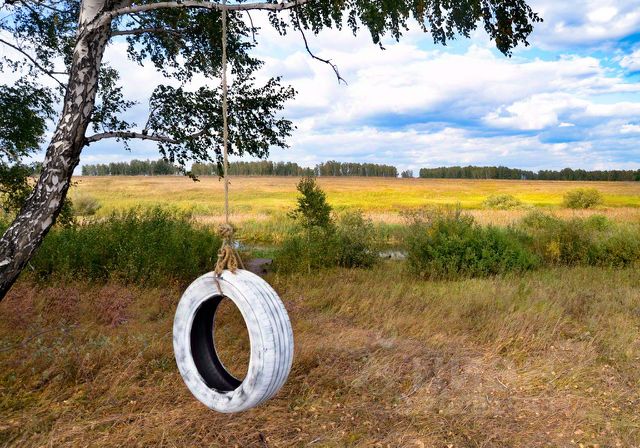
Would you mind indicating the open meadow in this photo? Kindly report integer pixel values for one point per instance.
(535, 345)
(263, 198)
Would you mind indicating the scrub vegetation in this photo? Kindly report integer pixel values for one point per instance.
(522, 333)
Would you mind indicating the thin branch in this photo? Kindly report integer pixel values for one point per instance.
(35, 63)
(326, 61)
(109, 15)
(145, 130)
(43, 5)
(127, 135)
(142, 31)
(253, 28)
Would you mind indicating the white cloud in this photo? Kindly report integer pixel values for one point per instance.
(416, 148)
(631, 61)
(415, 105)
(630, 129)
(584, 22)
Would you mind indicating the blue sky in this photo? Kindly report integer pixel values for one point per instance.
(570, 99)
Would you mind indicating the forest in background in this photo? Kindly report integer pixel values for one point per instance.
(502, 172)
(339, 169)
(255, 168)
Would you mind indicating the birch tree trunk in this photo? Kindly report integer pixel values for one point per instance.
(24, 236)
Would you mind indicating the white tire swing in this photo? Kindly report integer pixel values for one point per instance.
(270, 337)
(268, 325)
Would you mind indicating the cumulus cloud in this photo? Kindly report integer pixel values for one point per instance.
(583, 23)
(631, 61)
(558, 104)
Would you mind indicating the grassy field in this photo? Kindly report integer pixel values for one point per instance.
(546, 359)
(265, 198)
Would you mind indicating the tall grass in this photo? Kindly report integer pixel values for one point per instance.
(155, 246)
(548, 358)
(593, 241)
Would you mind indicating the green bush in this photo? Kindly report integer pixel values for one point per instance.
(502, 202)
(448, 245)
(357, 245)
(582, 198)
(305, 250)
(154, 246)
(581, 241)
(313, 209)
(351, 243)
(85, 205)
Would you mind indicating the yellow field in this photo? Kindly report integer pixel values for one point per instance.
(382, 199)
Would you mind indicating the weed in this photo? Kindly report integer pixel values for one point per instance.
(85, 205)
(155, 246)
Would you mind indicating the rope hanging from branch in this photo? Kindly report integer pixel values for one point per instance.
(228, 257)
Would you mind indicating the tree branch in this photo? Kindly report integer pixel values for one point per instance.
(142, 31)
(253, 28)
(35, 63)
(109, 15)
(326, 61)
(127, 135)
(42, 4)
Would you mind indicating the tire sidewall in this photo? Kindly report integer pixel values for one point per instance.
(240, 289)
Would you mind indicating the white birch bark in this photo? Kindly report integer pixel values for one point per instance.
(25, 234)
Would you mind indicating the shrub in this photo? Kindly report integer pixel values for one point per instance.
(313, 209)
(582, 198)
(350, 243)
(356, 244)
(579, 241)
(621, 248)
(448, 245)
(502, 202)
(85, 205)
(305, 250)
(155, 246)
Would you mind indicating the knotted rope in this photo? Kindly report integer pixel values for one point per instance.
(228, 257)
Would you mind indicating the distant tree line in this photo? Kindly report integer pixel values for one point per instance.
(255, 168)
(132, 168)
(333, 168)
(258, 168)
(502, 172)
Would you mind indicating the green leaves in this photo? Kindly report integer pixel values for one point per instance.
(187, 42)
(313, 210)
(507, 22)
(24, 110)
(193, 119)
(110, 103)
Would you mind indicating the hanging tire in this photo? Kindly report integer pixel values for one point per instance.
(270, 337)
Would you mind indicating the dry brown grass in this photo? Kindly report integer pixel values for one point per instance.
(547, 359)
